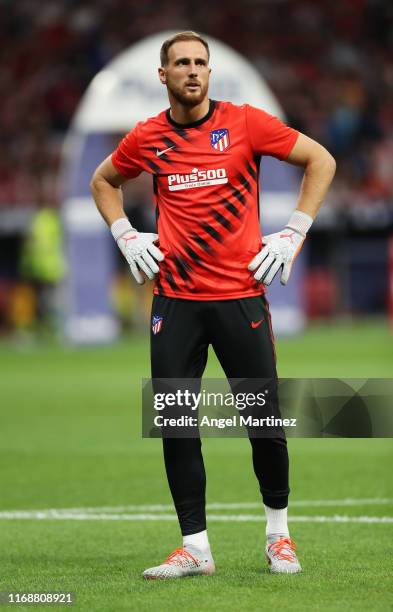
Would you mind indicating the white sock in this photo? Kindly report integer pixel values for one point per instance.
(277, 521)
(199, 540)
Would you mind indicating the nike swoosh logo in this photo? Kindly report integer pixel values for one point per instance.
(256, 324)
(159, 153)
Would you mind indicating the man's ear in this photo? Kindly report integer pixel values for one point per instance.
(161, 75)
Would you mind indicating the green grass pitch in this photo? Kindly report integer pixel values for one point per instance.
(70, 438)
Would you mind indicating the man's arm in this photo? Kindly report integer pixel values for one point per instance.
(138, 248)
(105, 187)
(281, 248)
(319, 169)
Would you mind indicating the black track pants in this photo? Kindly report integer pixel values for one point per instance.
(240, 334)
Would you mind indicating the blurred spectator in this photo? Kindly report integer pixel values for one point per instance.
(42, 262)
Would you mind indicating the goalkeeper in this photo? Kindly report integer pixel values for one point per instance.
(210, 267)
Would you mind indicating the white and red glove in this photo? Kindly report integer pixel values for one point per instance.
(281, 249)
(139, 249)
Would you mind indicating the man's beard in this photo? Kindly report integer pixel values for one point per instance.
(190, 100)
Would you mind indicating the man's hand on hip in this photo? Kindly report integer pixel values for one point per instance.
(138, 248)
(279, 252)
(281, 249)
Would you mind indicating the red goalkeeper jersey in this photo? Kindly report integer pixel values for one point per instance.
(206, 188)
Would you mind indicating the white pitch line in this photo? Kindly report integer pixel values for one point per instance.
(341, 502)
(229, 518)
(377, 501)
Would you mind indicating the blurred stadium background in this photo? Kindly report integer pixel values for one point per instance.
(70, 416)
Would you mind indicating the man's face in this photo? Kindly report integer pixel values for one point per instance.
(187, 73)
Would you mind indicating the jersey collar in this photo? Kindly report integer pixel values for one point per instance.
(212, 106)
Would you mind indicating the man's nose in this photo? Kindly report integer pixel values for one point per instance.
(193, 69)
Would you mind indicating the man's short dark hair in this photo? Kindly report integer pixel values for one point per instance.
(181, 37)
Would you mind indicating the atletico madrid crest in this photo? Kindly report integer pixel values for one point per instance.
(219, 139)
(157, 324)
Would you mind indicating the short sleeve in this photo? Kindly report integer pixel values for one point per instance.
(126, 158)
(269, 135)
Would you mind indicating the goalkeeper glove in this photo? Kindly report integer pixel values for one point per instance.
(281, 249)
(139, 249)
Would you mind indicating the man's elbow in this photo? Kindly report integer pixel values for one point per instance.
(331, 162)
(98, 184)
(94, 182)
(327, 160)
(320, 160)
